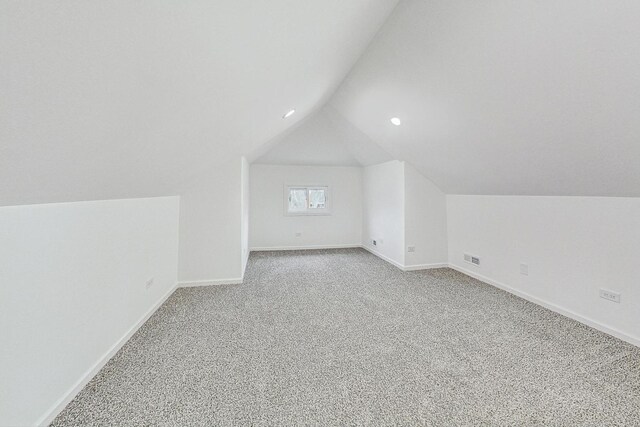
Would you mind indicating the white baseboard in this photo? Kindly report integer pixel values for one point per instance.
(245, 262)
(216, 282)
(405, 267)
(57, 407)
(553, 307)
(210, 282)
(383, 257)
(424, 266)
(303, 248)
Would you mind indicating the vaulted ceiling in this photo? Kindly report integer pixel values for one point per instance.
(128, 99)
(324, 138)
(109, 99)
(536, 97)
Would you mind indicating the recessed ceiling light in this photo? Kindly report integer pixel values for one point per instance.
(396, 121)
(289, 113)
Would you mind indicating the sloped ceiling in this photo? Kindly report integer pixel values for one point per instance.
(537, 97)
(324, 138)
(128, 99)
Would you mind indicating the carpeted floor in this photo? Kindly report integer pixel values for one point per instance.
(340, 337)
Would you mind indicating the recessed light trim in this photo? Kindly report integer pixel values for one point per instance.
(288, 114)
(396, 121)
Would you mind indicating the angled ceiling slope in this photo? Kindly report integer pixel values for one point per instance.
(506, 97)
(122, 99)
(323, 139)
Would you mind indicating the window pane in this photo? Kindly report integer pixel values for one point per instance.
(297, 199)
(317, 198)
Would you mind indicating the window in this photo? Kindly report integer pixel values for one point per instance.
(306, 200)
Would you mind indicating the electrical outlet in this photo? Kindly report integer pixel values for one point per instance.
(411, 248)
(524, 269)
(149, 283)
(298, 233)
(610, 295)
(374, 243)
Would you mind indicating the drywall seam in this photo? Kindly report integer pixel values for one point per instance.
(57, 407)
(553, 307)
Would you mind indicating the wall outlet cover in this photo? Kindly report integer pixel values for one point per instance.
(149, 283)
(610, 295)
(411, 248)
(524, 269)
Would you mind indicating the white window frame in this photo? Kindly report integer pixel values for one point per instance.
(309, 212)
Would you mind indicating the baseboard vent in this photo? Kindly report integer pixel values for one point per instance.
(472, 259)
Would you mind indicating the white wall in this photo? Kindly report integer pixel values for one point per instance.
(72, 284)
(383, 210)
(271, 228)
(210, 226)
(244, 213)
(425, 219)
(573, 246)
(402, 208)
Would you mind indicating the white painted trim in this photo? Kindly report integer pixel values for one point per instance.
(405, 267)
(210, 282)
(245, 263)
(304, 248)
(384, 257)
(57, 407)
(553, 307)
(425, 266)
